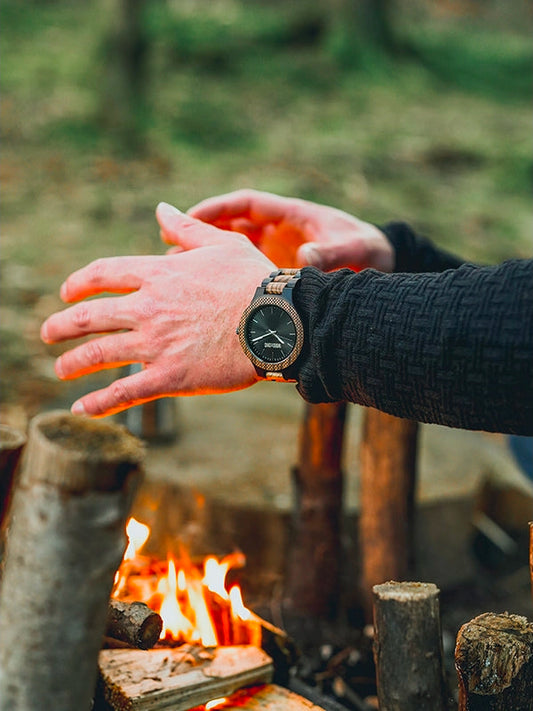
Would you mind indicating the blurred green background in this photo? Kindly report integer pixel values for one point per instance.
(389, 109)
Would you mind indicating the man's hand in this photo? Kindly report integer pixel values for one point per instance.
(297, 233)
(177, 315)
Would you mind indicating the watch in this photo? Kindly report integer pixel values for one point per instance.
(270, 330)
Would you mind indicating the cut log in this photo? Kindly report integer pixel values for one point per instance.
(66, 540)
(313, 573)
(408, 647)
(134, 623)
(179, 678)
(12, 442)
(531, 554)
(494, 662)
(269, 698)
(388, 478)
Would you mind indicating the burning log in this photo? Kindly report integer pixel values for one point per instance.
(11, 443)
(388, 477)
(65, 543)
(408, 647)
(134, 623)
(494, 662)
(313, 572)
(178, 678)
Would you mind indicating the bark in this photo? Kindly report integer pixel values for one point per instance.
(134, 623)
(494, 662)
(388, 478)
(313, 576)
(66, 541)
(12, 442)
(531, 554)
(408, 647)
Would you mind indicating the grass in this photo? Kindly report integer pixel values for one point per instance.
(441, 139)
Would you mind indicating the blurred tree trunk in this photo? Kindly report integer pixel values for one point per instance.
(361, 30)
(124, 69)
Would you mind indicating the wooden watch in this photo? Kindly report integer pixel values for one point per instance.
(270, 330)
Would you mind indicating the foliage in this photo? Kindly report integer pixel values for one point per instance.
(251, 94)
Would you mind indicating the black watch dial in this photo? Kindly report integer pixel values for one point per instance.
(270, 333)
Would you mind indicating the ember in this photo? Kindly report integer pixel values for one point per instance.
(193, 601)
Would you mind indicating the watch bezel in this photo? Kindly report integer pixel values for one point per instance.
(280, 302)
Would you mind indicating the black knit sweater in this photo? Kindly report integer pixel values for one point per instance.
(437, 341)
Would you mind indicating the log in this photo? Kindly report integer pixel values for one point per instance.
(388, 478)
(312, 581)
(178, 678)
(408, 647)
(66, 541)
(494, 662)
(134, 623)
(12, 442)
(270, 698)
(531, 554)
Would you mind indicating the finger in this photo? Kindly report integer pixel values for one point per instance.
(259, 207)
(98, 316)
(98, 354)
(115, 274)
(122, 393)
(184, 230)
(326, 257)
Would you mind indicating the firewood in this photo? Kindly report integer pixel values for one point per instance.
(12, 442)
(270, 698)
(388, 477)
(531, 554)
(494, 662)
(178, 678)
(134, 623)
(408, 647)
(66, 541)
(313, 570)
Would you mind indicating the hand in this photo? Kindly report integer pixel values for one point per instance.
(177, 315)
(296, 233)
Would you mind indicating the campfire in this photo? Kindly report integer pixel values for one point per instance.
(195, 602)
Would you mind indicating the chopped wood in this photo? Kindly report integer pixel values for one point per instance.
(408, 647)
(388, 478)
(178, 678)
(66, 540)
(12, 442)
(269, 698)
(531, 554)
(494, 662)
(134, 623)
(312, 584)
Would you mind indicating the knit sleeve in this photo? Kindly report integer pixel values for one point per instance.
(415, 253)
(453, 348)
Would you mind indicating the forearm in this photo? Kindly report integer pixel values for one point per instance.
(454, 348)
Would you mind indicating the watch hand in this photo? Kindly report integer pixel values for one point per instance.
(265, 335)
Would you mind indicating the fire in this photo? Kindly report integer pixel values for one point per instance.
(194, 603)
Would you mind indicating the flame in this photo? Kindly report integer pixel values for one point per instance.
(174, 621)
(215, 703)
(137, 533)
(237, 606)
(196, 606)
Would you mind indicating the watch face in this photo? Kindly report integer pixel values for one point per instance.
(270, 333)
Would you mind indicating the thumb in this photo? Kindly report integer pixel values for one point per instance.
(181, 229)
(333, 255)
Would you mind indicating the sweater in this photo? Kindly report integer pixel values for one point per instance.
(437, 341)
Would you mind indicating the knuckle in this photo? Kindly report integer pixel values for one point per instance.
(95, 353)
(120, 392)
(81, 317)
(95, 271)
